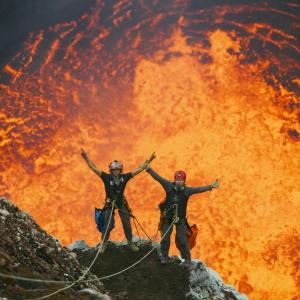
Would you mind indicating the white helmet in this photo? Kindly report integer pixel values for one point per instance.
(115, 165)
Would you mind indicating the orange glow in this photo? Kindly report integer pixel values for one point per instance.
(122, 91)
(11, 70)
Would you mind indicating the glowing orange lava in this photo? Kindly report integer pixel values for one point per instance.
(187, 84)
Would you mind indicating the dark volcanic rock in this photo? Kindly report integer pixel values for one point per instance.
(150, 280)
(27, 250)
(147, 280)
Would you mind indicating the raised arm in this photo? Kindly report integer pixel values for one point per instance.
(90, 163)
(144, 165)
(195, 190)
(166, 184)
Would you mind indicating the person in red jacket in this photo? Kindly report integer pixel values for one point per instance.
(174, 208)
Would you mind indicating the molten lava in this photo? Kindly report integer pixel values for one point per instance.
(212, 89)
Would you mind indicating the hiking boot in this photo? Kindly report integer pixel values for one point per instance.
(186, 265)
(133, 247)
(103, 247)
(164, 260)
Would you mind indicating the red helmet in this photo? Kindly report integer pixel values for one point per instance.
(180, 175)
(115, 165)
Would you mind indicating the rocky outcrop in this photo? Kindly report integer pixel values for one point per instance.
(150, 280)
(27, 250)
(206, 283)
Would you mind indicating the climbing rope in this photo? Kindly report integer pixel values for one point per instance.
(135, 219)
(88, 269)
(137, 230)
(88, 280)
(134, 264)
(72, 283)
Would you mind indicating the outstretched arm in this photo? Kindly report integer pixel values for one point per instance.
(90, 163)
(195, 190)
(166, 184)
(144, 165)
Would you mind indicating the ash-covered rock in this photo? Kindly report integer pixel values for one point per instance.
(27, 250)
(206, 283)
(94, 295)
(78, 246)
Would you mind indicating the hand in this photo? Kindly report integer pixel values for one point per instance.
(216, 184)
(145, 165)
(83, 153)
(153, 156)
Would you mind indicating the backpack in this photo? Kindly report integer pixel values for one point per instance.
(99, 219)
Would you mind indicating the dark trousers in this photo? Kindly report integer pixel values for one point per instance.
(125, 219)
(181, 231)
